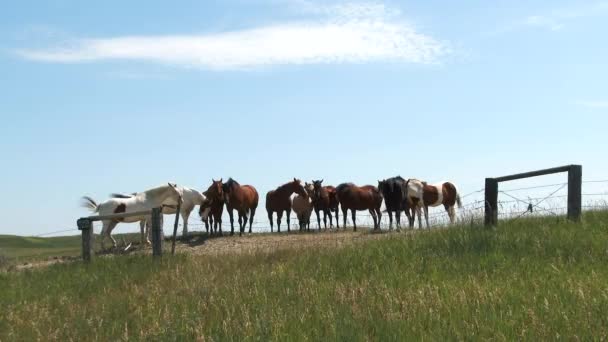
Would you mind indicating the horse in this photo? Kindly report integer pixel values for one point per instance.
(242, 198)
(324, 199)
(191, 198)
(278, 201)
(302, 206)
(211, 213)
(422, 194)
(142, 201)
(355, 198)
(394, 191)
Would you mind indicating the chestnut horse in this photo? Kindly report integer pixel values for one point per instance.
(242, 198)
(421, 194)
(366, 197)
(211, 213)
(278, 201)
(324, 199)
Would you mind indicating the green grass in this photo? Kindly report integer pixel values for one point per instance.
(532, 279)
(28, 248)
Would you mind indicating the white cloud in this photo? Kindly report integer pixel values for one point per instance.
(557, 19)
(343, 34)
(594, 104)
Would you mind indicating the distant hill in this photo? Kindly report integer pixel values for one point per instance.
(28, 247)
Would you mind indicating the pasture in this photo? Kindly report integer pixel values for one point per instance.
(532, 278)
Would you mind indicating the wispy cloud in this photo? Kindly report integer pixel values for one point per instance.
(594, 104)
(338, 34)
(557, 19)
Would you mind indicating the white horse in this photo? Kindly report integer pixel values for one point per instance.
(302, 206)
(142, 201)
(422, 195)
(190, 199)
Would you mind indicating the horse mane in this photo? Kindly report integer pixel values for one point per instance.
(231, 182)
(342, 186)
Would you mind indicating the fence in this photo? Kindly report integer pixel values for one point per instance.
(85, 225)
(575, 178)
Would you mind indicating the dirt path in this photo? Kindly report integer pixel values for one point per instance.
(255, 243)
(273, 242)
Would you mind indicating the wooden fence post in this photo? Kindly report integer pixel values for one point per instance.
(157, 239)
(177, 213)
(86, 227)
(491, 201)
(575, 183)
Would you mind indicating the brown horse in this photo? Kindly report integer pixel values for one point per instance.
(278, 201)
(211, 213)
(324, 199)
(242, 198)
(355, 198)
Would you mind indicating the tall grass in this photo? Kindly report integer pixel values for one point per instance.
(541, 278)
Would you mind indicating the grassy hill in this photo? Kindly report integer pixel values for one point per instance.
(27, 247)
(527, 279)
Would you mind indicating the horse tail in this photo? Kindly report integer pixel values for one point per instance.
(458, 199)
(90, 203)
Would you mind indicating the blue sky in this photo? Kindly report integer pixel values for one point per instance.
(119, 97)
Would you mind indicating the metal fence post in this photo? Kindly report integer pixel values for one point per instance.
(86, 227)
(157, 239)
(575, 182)
(491, 201)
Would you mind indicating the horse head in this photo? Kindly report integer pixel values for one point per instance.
(298, 188)
(176, 192)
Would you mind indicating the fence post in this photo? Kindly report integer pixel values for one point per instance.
(575, 182)
(491, 201)
(157, 239)
(86, 227)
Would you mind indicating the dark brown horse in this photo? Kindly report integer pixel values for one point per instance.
(211, 213)
(278, 201)
(355, 198)
(324, 199)
(242, 198)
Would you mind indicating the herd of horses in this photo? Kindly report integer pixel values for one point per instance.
(410, 196)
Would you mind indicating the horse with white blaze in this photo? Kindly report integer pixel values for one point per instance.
(142, 201)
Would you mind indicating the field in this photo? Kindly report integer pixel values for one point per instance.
(536, 278)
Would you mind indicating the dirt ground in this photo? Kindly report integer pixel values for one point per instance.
(248, 243)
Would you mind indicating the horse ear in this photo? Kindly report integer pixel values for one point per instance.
(321, 181)
(171, 185)
(295, 180)
(221, 179)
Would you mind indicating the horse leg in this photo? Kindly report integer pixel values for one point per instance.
(451, 213)
(324, 219)
(318, 218)
(331, 221)
(373, 214)
(270, 220)
(379, 216)
(398, 218)
(390, 220)
(288, 220)
(426, 216)
(185, 217)
(142, 227)
(279, 217)
(107, 232)
(230, 214)
(338, 218)
(251, 219)
(354, 214)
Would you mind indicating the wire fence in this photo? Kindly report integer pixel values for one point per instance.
(514, 203)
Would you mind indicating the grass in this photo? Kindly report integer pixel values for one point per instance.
(22, 248)
(541, 278)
